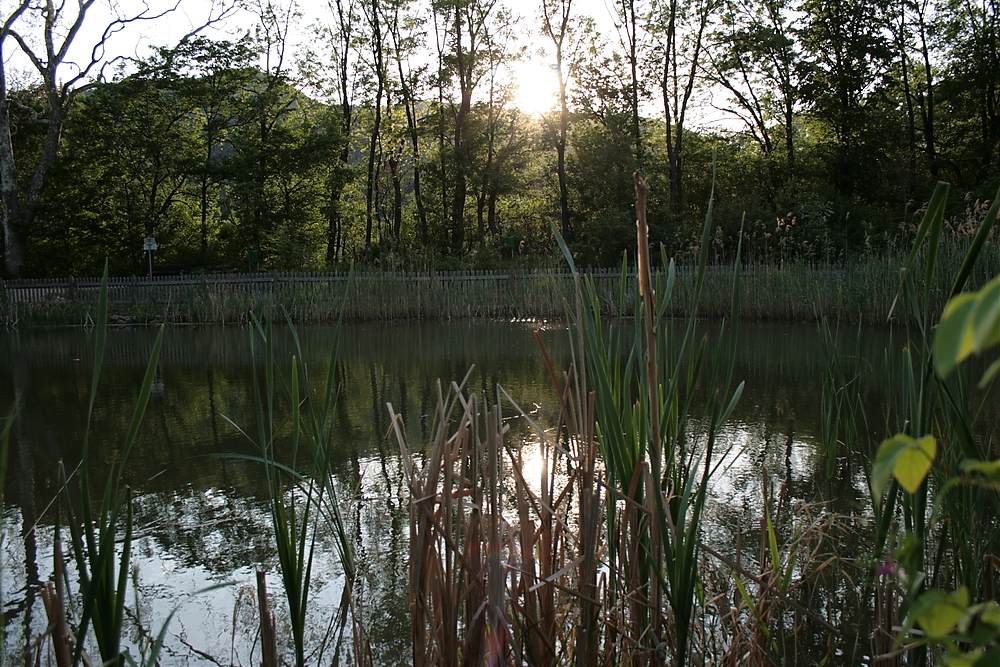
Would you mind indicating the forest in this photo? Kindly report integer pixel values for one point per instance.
(393, 133)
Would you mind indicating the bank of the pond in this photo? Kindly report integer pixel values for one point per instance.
(858, 291)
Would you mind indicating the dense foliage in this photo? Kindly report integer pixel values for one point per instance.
(395, 138)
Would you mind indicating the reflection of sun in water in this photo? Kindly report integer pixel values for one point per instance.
(536, 86)
(532, 466)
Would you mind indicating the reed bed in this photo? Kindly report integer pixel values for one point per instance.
(604, 558)
(861, 290)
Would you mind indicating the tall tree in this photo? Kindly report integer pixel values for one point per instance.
(925, 94)
(210, 74)
(901, 40)
(469, 21)
(378, 71)
(681, 28)
(496, 54)
(405, 30)
(628, 33)
(441, 82)
(753, 57)
(342, 37)
(556, 23)
(971, 30)
(848, 59)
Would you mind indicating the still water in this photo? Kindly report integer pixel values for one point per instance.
(202, 518)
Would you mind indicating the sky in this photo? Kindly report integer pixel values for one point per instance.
(535, 81)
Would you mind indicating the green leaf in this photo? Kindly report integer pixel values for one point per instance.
(991, 613)
(989, 659)
(914, 462)
(905, 458)
(937, 612)
(986, 319)
(990, 374)
(969, 325)
(885, 459)
(989, 469)
(962, 660)
(953, 339)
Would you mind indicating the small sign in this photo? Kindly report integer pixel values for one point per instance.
(149, 244)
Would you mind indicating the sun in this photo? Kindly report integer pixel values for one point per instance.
(536, 87)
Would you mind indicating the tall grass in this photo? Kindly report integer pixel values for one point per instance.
(860, 290)
(6, 426)
(642, 415)
(103, 567)
(300, 484)
(100, 523)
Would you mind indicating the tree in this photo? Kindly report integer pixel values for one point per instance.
(61, 82)
(681, 28)
(971, 31)
(556, 23)
(627, 13)
(405, 30)
(753, 57)
(211, 75)
(489, 169)
(336, 41)
(469, 20)
(377, 67)
(284, 147)
(848, 59)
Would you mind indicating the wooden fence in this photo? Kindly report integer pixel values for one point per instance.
(795, 291)
(226, 298)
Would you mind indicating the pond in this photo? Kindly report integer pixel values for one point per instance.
(202, 518)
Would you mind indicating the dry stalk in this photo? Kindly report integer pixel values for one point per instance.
(54, 600)
(268, 639)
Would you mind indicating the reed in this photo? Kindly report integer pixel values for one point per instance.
(101, 565)
(5, 431)
(618, 581)
(301, 491)
(862, 289)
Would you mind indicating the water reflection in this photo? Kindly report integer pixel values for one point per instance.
(203, 518)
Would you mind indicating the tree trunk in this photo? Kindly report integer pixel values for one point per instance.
(411, 126)
(10, 210)
(790, 134)
(204, 219)
(461, 147)
(927, 108)
(397, 199)
(481, 215)
(911, 131)
(634, 87)
(491, 212)
(376, 125)
(561, 147)
(333, 223)
(442, 167)
(18, 212)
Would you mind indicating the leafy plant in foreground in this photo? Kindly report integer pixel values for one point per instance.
(970, 324)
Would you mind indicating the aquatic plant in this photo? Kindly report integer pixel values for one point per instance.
(299, 499)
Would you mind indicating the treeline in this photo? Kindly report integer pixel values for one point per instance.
(393, 136)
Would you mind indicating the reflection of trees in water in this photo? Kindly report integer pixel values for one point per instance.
(24, 465)
(219, 530)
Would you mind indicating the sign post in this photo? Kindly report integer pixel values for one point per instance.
(149, 246)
